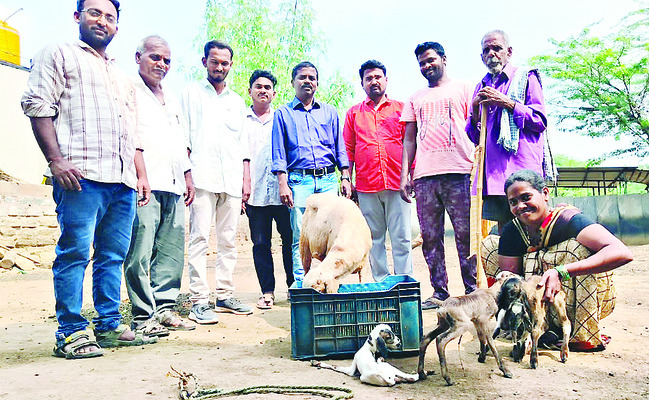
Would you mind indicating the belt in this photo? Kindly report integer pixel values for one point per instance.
(317, 171)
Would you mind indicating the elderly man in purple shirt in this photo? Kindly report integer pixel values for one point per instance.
(307, 148)
(516, 122)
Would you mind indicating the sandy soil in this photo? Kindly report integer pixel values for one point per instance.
(255, 350)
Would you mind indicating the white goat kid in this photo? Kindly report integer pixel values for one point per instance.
(370, 362)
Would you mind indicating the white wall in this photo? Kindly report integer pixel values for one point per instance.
(20, 155)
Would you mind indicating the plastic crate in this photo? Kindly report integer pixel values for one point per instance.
(337, 324)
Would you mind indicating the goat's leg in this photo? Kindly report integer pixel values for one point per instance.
(481, 326)
(442, 341)
(560, 307)
(423, 345)
(482, 356)
(537, 330)
(305, 253)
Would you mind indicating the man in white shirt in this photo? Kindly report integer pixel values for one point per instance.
(218, 150)
(264, 204)
(154, 265)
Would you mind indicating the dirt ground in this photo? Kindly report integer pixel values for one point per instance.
(256, 350)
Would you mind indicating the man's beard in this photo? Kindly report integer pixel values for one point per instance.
(94, 41)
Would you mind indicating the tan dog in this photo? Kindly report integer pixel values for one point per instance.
(335, 232)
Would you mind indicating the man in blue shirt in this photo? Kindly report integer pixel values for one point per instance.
(307, 147)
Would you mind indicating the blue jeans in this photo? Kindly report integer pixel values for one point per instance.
(101, 215)
(154, 265)
(303, 186)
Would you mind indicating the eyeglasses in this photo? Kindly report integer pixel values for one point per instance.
(157, 57)
(93, 12)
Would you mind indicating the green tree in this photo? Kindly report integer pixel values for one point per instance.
(600, 84)
(274, 36)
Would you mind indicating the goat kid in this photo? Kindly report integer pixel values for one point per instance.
(522, 311)
(369, 360)
(455, 316)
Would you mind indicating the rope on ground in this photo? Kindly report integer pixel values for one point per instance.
(189, 389)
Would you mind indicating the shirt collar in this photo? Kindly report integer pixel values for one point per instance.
(370, 103)
(297, 104)
(508, 72)
(87, 47)
(209, 86)
(250, 113)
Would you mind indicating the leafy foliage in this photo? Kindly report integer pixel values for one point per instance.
(601, 84)
(275, 36)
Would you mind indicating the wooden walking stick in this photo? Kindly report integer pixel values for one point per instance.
(477, 177)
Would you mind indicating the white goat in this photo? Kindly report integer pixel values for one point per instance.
(335, 232)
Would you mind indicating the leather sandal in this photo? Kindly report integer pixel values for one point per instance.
(75, 342)
(152, 328)
(112, 338)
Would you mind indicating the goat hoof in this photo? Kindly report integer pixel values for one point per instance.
(422, 374)
(507, 374)
(533, 364)
(449, 381)
(482, 358)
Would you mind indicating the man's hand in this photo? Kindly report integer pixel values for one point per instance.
(66, 174)
(247, 186)
(552, 282)
(143, 191)
(190, 191)
(488, 96)
(406, 190)
(285, 193)
(346, 188)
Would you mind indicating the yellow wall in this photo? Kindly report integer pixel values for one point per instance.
(9, 44)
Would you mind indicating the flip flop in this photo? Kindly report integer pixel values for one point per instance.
(266, 302)
(152, 328)
(112, 338)
(76, 342)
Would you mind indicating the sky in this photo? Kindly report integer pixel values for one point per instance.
(355, 31)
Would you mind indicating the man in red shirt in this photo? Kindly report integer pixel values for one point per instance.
(374, 140)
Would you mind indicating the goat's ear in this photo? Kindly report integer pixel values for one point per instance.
(381, 348)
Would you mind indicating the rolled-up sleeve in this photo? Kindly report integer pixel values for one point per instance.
(278, 147)
(45, 84)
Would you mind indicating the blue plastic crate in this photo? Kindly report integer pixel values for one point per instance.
(329, 325)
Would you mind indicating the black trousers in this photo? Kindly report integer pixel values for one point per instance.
(260, 220)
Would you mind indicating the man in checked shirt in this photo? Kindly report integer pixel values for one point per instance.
(82, 111)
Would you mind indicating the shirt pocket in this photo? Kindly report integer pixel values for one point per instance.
(326, 134)
(392, 128)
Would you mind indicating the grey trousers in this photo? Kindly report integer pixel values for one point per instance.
(386, 210)
(154, 265)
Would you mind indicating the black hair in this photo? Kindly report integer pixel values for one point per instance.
(114, 2)
(533, 178)
(260, 73)
(217, 44)
(423, 47)
(371, 64)
(303, 64)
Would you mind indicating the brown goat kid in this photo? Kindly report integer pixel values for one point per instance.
(521, 311)
(455, 316)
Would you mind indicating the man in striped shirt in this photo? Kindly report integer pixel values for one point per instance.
(82, 111)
